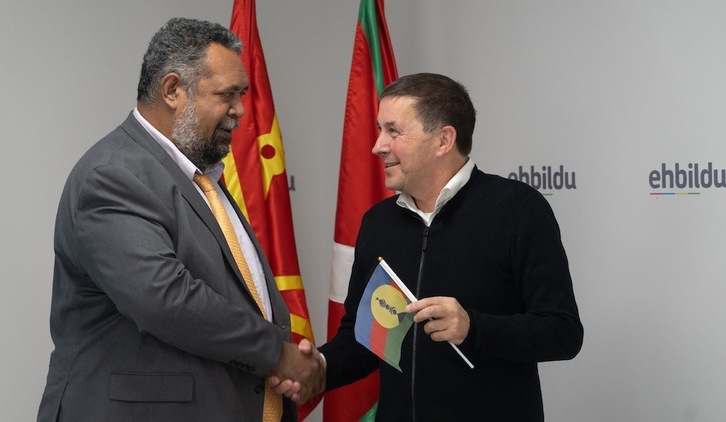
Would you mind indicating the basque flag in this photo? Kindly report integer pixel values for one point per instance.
(360, 186)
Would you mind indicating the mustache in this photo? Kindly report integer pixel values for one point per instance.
(228, 124)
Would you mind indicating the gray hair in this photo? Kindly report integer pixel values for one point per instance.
(180, 47)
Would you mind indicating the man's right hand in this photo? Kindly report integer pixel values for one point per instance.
(300, 374)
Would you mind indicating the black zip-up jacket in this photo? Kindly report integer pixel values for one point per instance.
(496, 248)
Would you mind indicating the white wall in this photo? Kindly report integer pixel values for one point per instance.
(608, 90)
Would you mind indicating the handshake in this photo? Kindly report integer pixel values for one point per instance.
(300, 374)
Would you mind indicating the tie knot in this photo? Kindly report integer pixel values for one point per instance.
(204, 182)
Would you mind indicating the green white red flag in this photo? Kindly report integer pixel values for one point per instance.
(360, 185)
(255, 175)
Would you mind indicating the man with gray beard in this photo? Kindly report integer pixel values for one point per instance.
(164, 306)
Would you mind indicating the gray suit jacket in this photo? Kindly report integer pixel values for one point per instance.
(150, 317)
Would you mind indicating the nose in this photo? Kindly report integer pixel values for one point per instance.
(381, 145)
(236, 109)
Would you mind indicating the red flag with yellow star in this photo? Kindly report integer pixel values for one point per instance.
(255, 176)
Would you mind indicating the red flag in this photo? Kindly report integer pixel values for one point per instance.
(255, 176)
(360, 185)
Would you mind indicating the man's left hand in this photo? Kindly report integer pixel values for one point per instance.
(447, 320)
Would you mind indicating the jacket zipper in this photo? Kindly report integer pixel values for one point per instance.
(415, 330)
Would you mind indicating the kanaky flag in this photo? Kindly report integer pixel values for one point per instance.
(360, 185)
(255, 176)
(381, 322)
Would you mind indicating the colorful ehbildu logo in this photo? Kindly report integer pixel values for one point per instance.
(546, 179)
(686, 179)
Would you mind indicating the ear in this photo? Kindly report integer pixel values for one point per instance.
(446, 141)
(172, 92)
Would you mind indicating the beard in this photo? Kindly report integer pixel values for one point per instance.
(203, 153)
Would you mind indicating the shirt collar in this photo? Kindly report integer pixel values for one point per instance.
(452, 187)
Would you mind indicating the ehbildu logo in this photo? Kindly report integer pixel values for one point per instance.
(547, 179)
(690, 176)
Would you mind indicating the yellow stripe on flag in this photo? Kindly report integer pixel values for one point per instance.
(301, 326)
(288, 282)
(231, 180)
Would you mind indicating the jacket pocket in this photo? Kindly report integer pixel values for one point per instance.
(151, 387)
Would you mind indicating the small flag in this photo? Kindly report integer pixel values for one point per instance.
(411, 298)
(381, 322)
